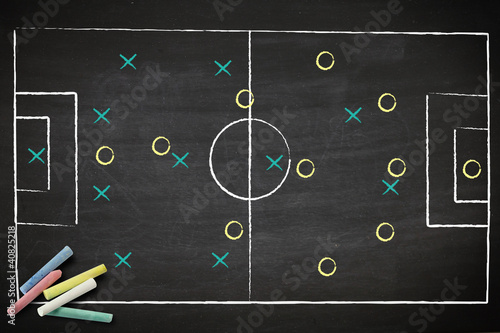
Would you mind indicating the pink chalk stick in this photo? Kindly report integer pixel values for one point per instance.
(35, 291)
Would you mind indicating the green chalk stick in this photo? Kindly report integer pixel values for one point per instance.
(81, 314)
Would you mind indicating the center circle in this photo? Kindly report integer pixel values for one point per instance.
(276, 167)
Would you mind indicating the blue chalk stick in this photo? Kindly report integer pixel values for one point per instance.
(45, 270)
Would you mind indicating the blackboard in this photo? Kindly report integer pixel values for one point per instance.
(365, 201)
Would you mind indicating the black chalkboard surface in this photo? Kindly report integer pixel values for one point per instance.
(254, 177)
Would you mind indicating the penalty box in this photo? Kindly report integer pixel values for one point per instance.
(311, 99)
(56, 115)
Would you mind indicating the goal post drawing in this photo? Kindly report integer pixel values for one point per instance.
(46, 119)
(470, 134)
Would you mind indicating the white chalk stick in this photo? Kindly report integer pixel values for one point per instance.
(67, 297)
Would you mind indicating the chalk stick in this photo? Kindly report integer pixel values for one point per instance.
(45, 270)
(36, 290)
(81, 314)
(67, 297)
(64, 286)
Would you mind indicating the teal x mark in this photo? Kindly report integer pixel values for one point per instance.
(101, 193)
(36, 155)
(390, 187)
(101, 116)
(180, 160)
(220, 260)
(353, 115)
(223, 68)
(122, 260)
(128, 61)
(274, 163)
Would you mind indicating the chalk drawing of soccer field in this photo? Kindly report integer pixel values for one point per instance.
(176, 145)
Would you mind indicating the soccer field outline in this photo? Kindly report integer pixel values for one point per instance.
(249, 32)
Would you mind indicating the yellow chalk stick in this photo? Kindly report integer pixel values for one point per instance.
(64, 286)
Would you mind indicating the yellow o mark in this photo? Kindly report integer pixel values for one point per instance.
(465, 172)
(321, 67)
(393, 174)
(384, 239)
(380, 101)
(153, 146)
(298, 168)
(231, 237)
(238, 99)
(321, 271)
(99, 160)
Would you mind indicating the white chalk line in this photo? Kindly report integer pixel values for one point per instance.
(250, 166)
(270, 302)
(46, 224)
(422, 33)
(27, 190)
(458, 94)
(489, 167)
(14, 45)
